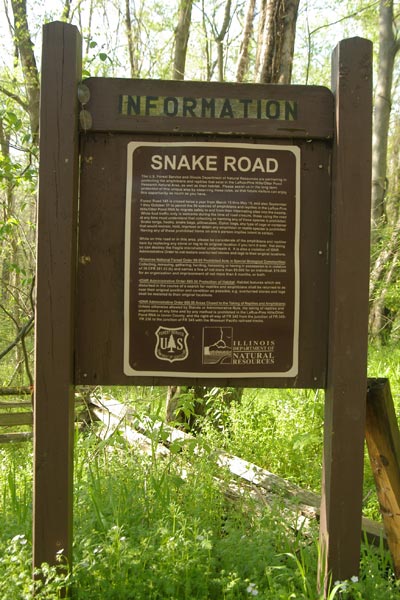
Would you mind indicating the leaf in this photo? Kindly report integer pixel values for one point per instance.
(303, 440)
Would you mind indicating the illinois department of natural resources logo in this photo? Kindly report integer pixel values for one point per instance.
(217, 345)
(171, 343)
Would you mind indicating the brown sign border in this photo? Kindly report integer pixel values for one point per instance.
(100, 278)
(314, 108)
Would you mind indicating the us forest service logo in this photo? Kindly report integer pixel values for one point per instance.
(171, 344)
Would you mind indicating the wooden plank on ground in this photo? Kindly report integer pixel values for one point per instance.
(113, 422)
(305, 502)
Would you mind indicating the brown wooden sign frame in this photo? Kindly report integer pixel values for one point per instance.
(333, 132)
(102, 220)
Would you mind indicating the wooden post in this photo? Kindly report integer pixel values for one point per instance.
(341, 503)
(56, 271)
(383, 441)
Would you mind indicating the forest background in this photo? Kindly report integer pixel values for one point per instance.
(268, 41)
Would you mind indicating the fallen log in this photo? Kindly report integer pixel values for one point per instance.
(112, 423)
(232, 490)
(271, 487)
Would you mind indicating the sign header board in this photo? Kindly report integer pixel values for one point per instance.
(212, 260)
(262, 111)
(214, 108)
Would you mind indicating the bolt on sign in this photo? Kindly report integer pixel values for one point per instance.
(212, 259)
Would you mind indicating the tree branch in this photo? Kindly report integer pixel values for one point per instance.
(227, 17)
(22, 333)
(14, 97)
(350, 16)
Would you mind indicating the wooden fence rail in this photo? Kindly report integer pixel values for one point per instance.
(15, 391)
(15, 413)
(18, 412)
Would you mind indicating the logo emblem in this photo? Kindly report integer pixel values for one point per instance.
(217, 345)
(171, 344)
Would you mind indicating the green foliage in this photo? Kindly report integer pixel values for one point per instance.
(145, 529)
(285, 429)
(15, 488)
(151, 527)
(18, 180)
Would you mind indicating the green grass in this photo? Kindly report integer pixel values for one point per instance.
(144, 532)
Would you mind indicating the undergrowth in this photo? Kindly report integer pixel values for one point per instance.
(171, 528)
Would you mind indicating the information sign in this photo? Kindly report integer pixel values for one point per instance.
(212, 259)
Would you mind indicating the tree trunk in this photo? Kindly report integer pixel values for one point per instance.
(12, 302)
(384, 269)
(28, 62)
(7, 212)
(382, 276)
(392, 200)
(277, 41)
(388, 48)
(129, 35)
(186, 404)
(378, 318)
(260, 33)
(181, 38)
(220, 37)
(288, 39)
(89, 24)
(66, 11)
(243, 60)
